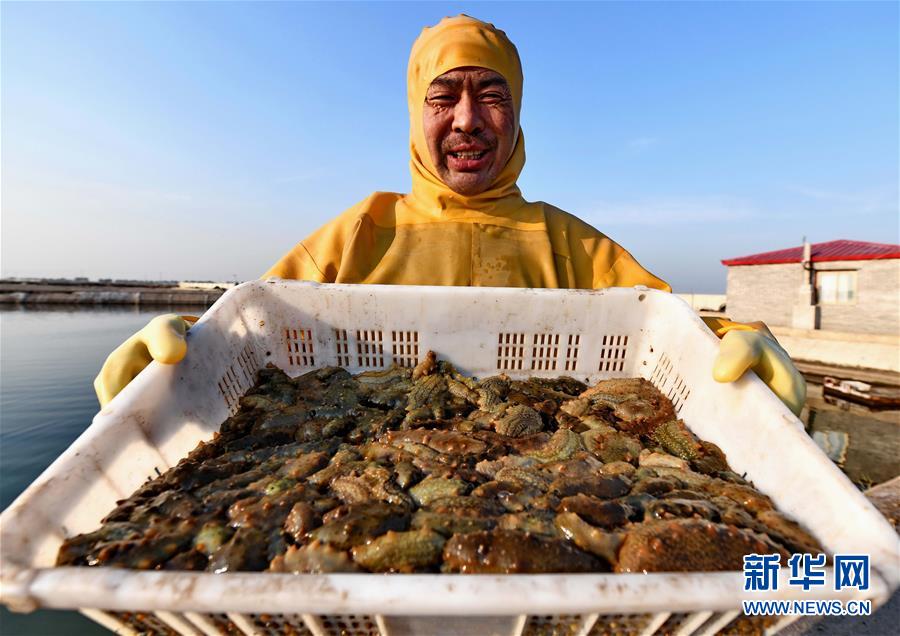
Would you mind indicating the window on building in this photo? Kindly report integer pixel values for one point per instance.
(837, 287)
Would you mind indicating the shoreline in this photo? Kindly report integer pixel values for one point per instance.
(96, 294)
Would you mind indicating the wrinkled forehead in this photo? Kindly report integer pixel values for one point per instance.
(457, 43)
(481, 78)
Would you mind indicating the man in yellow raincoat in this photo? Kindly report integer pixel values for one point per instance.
(465, 221)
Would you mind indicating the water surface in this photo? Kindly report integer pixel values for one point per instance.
(48, 361)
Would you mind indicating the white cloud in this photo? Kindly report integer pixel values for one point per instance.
(674, 210)
(873, 200)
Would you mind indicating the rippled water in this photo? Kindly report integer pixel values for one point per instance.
(48, 360)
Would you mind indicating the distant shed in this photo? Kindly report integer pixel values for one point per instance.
(849, 286)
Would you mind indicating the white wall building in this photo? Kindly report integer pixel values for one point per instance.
(845, 286)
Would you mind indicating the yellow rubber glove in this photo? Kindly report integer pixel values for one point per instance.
(752, 346)
(161, 340)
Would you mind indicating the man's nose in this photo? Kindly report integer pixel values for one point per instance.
(467, 116)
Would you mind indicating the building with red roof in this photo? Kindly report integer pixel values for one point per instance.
(841, 250)
(848, 286)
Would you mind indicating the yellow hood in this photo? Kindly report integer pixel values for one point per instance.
(454, 43)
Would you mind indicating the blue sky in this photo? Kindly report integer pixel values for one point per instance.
(203, 140)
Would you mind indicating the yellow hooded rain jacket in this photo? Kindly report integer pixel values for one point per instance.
(434, 236)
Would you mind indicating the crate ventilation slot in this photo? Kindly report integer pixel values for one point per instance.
(572, 343)
(342, 347)
(405, 348)
(292, 624)
(669, 382)
(612, 353)
(541, 353)
(510, 351)
(218, 623)
(300, 347)
(678, 393)
(145, 622)
(247, 362)
(239, 376)
(674, 623)
(630, 624)
(369, 350)
(544, 351)
(349, 625)
(275, 624)
(661, 372)
(561, 624)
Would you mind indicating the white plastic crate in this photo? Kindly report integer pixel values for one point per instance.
(298, 326)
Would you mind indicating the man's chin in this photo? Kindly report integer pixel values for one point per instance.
(467, 183)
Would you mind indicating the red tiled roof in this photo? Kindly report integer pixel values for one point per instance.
(841, 250)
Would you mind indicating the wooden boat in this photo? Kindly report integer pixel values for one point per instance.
(862, 392)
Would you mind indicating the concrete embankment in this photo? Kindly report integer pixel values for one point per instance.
(97, 294)
(836, 348)
(870, 358)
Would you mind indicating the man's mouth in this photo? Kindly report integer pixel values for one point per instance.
(467, 160)
(469, 154)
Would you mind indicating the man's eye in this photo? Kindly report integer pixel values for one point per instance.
(492, 97)
(441, 99)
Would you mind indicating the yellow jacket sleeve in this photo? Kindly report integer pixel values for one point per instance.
(627, 272)
(297, 264)
(588, 259)
(318, 257)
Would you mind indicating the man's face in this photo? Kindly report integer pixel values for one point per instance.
(470, 125)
